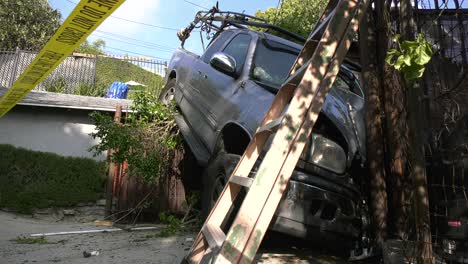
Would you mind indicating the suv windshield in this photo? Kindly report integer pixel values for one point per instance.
(272, 62)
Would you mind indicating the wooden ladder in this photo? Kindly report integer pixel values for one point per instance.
(292, 115)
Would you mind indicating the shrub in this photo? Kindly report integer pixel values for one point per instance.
(56, 86)
(32, 179)
(87, 89)
(148, 138)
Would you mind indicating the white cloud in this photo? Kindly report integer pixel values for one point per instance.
(136, 10)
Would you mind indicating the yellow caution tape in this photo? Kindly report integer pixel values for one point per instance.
(84, 19)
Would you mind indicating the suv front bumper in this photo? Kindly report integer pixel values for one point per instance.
(309, 210)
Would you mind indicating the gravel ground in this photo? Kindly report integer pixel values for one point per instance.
(115, 247)
(126, 247)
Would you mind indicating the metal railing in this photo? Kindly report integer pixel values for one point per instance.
(85, 74)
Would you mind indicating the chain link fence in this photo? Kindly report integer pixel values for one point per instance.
(447, 158)
(149, 73)
(445, 25)
(83, 74)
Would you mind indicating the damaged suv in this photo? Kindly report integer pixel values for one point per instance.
(223, 96)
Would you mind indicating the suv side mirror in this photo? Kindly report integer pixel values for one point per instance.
(224, 63)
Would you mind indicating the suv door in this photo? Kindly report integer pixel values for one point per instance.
(217, 88)
(194, 109)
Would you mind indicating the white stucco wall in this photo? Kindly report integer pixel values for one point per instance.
(57, 130)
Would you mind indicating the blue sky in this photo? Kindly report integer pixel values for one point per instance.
(127, 38)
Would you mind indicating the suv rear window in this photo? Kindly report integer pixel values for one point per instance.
(272, 62)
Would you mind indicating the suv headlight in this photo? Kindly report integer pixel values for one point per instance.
(326, 154)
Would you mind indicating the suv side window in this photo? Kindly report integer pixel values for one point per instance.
(216, 45)
(238, 48)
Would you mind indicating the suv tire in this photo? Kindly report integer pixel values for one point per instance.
(167, 94)
(216, 176)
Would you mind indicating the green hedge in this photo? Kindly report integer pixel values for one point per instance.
(32, 179)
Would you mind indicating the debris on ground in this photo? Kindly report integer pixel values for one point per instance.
(87, 254)
(30, 240)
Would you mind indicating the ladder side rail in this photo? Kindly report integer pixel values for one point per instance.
(314, 36)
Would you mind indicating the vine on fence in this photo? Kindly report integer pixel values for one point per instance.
(147, 138)
(410, 57)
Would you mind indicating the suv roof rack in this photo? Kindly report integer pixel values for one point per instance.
(205, 20)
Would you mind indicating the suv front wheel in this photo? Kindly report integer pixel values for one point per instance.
(216, 176)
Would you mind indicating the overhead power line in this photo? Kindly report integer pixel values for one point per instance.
(195, 4)
(145, 24)
(139, 45)
(278, 10)
(136, 22)
(128, 38)
(136, 53)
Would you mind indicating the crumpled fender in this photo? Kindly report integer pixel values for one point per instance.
(346, 116)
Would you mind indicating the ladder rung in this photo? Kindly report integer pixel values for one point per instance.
(243, 181)
(270, 126)
(213, 235)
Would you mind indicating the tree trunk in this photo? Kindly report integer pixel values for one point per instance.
(397, 148)
(417, 155)
(396, 129)
(375, 150)
(112, 168)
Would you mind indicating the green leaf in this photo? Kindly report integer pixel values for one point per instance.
(421, 57)
(421, 38)
(407, 59)
(399, 62)
(393, 52)
(390, 56)
(389, 60)
(411, 58)
(413, 72)
(409, 46)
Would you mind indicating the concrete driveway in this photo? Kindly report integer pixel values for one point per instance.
(126, 247)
